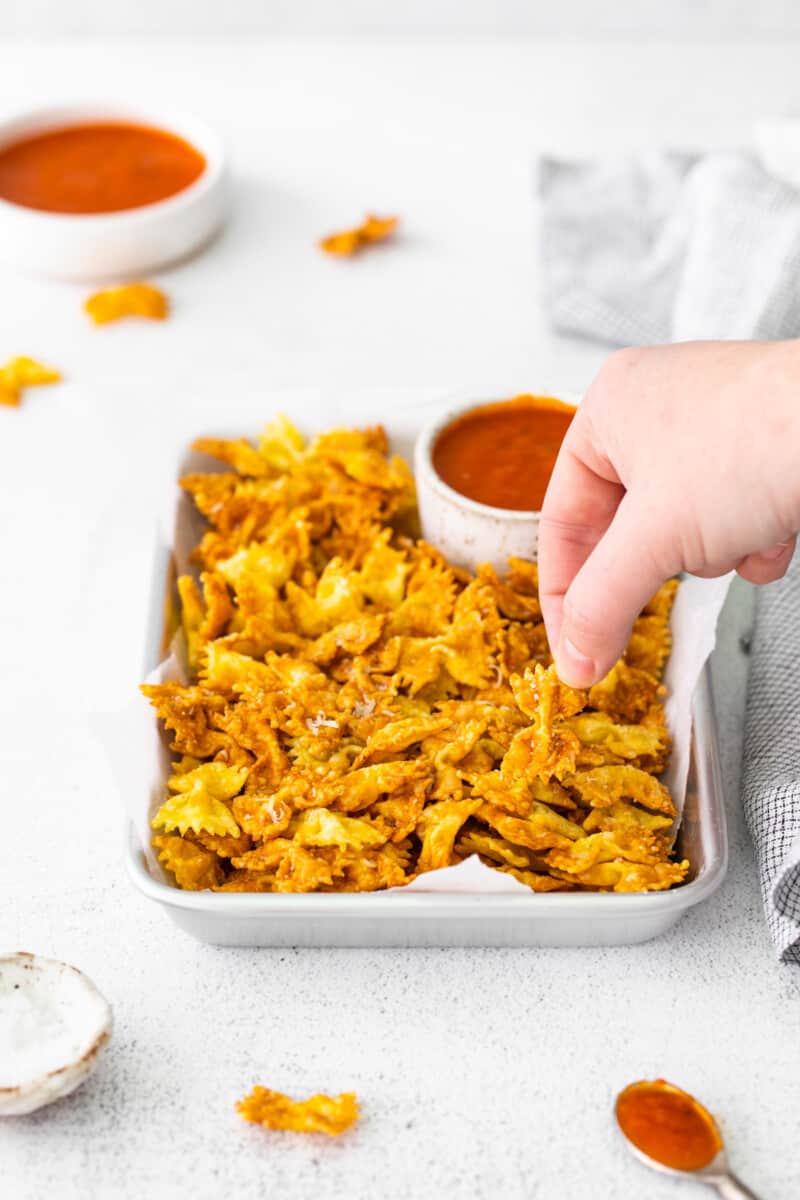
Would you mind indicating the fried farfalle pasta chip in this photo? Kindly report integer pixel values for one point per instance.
(350, 241)
(307, 870)
(239, 454)
(321, 827)
(263, 817)
(199, 800)
(192, 616)
(189, 713)
(359, 789)
(623, 816)
(397, 736)
(620, 876)
(601, 787)
(649, 644)
(20, 373)
(247, 881)
(548, 746)
(359, 711)
(281, 444)
(541, 830)
(523, 576)
(127, 300)
(195, 868)
(604, 741)
(399, 814)
(387, 867)
(377, 229)
(223, 844)
(518, 605)
(660, 605)
(474, 841)
(438, 828)
(384, 572)
(628, 845)
(319, 1114)
(627, 693)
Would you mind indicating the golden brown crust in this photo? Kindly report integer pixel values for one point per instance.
(362, 712)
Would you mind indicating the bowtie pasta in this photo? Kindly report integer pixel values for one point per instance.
(359, 711)
(319, 1114)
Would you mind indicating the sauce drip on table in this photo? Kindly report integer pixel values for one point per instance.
(98, 168)
(668, 1125)
(503, 454)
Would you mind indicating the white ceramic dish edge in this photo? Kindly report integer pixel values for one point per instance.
(466, 531)
(120, 245)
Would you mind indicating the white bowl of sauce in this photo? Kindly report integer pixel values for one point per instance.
(482, 471)
(92, 192)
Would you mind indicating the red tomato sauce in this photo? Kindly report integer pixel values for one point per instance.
(99, 168)
(503, 454)
(668, 1124)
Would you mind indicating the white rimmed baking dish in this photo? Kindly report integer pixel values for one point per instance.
(115, 245)
(439, 919)
(435, 918)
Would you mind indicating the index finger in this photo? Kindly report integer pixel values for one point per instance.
(580, 503)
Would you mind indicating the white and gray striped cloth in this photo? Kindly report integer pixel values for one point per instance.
(771, 764)
(669, 247)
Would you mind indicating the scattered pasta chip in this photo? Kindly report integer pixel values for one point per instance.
(359, 711)
(128, 300)
(350, 241)
(20, 373)
(319, 1114)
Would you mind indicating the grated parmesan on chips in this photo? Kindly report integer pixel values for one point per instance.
(360, 711)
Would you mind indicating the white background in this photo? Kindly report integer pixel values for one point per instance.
(709, 19)
(482, 1073)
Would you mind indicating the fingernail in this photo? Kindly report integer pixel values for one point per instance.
(574, 667)
(775, 551)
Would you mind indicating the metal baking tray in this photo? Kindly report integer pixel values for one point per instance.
(439, 919)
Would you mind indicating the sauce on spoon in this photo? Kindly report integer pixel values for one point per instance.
(668, 1125)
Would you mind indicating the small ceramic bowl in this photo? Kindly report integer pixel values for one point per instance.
(54, 1023)
(116, 245)
(466, 531)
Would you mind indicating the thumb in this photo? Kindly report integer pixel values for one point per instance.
(606, 596)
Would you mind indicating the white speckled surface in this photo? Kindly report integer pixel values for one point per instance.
(482, 1073)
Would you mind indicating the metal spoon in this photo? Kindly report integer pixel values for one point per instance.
(716, 1173)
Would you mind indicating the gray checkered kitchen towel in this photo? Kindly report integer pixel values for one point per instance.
(666, 247)
(771, 776)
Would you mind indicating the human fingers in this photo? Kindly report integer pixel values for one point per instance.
(628, 564)
(766, 566)
(578, 508)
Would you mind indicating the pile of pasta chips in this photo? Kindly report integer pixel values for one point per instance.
(360, 711)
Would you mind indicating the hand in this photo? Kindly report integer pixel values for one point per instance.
(680, 458)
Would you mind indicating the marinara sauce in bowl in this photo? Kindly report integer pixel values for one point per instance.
(482, 472)
(88, 192)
